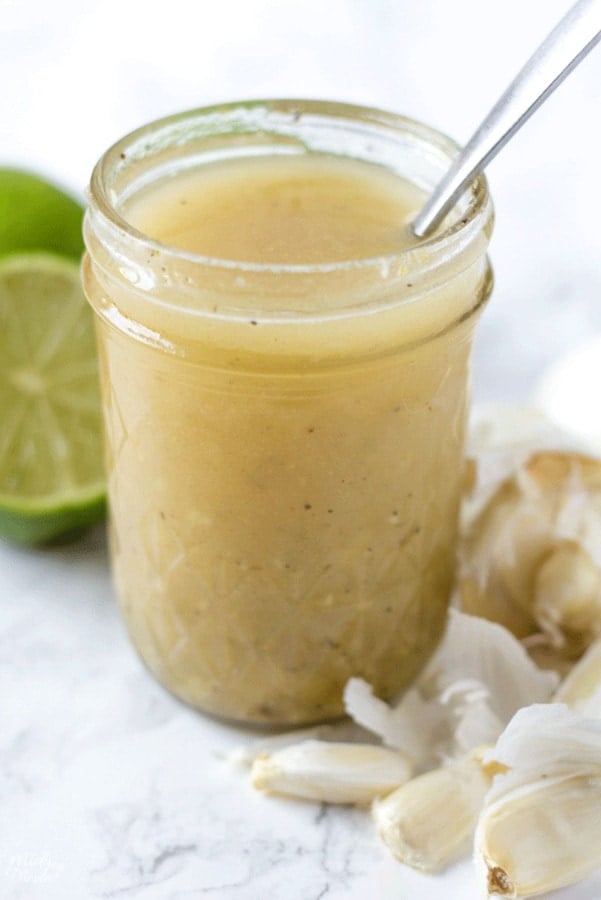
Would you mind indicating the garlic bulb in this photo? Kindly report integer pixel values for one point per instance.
(429, 821)
(540, 828)
(531, 560)
(331, 772)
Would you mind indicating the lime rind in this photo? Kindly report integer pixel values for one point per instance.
(35, 526)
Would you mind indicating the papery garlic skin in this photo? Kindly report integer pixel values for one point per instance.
(532, 559)
(540, 827)
(331, 772)
(477, 679)
(430, 820)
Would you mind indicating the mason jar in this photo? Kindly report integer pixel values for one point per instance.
(284, 442)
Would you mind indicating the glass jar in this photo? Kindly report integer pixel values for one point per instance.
(284, 479)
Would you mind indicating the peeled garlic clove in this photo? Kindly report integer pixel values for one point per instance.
(581, 689)
(542, 837)
(567, 596)
(331, 772)
(428, 821)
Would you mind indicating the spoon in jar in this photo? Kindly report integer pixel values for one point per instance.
(567, 45)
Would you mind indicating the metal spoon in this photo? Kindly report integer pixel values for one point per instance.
(566, 46)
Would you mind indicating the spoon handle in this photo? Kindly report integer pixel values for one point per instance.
(569, 42)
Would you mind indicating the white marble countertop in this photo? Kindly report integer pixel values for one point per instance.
(108, 786)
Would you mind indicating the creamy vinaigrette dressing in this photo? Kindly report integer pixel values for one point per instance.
(301, 209)
(284, 496)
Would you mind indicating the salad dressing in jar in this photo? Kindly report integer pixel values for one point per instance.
(285, 382)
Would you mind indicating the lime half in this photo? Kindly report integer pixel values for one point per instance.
(51, 471)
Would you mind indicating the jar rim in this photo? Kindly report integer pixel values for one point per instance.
(476, 213)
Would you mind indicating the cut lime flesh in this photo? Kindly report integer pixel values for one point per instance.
(51, 472)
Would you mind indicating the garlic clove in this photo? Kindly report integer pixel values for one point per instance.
(542, 837)
(430, 820)
(331, 772)
(540, 827)
(567, 597)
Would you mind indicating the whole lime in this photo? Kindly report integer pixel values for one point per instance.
(36, 215)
